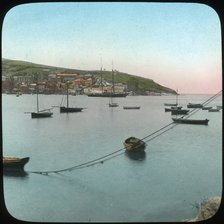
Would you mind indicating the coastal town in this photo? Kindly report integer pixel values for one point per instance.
(57, 84)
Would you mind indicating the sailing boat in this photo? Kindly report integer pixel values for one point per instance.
(40, 113)
(173, 104)
(111, 103)
(104, 93)
(68, 109)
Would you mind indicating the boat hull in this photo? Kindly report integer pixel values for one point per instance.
(192, 105)
(189, 121)
(170, 104)
(113, 105)
(70, 109)
(176, 112)
(213, 110)
(41, 114)
(131, 108)
(107, 94)
(14, 164)
(134, 144)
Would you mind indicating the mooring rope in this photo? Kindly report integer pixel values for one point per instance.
(121, 151)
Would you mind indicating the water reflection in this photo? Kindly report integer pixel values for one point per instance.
(140, 155)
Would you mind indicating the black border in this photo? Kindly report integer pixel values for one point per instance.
(6, 5)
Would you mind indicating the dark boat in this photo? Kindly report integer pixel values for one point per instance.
(170, 104)
(172, 108)
(107, 94)
(14, 164)
(190, 121)
(68, 109)
(206, 108)
(131, 107)
(133, 144)
(194, 105)
(176, 112)
(214, 110)
(40, 113)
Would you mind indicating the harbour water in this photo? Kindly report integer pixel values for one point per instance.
(181, 167)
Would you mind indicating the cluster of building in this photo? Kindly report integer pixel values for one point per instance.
(51, 84)
(56, 84)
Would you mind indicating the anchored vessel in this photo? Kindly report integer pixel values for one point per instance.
(133, 144)
(40, 113)
(14, 163)
(190, 121)
(68, 109)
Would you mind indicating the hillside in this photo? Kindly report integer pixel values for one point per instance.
(134, 83)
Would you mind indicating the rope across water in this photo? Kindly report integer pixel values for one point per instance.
(121, 151)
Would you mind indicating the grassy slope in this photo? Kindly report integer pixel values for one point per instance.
(14, 67)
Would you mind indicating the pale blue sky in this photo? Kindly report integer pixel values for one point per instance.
(176, 45)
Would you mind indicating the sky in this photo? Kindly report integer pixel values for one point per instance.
(178, 45)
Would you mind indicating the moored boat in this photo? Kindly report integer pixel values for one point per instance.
(194, 105)
(67, 109)
(113, 104)
(41, 114)
(214, 110)
(131, 107)
(176, 112)
(14, 163)
(170, 104)
(133, 144)
(190, 121)
(206, 108)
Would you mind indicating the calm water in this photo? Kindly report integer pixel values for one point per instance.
(182, 167)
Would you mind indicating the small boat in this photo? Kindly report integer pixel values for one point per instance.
(68, 109)
(14, 163)
(111, 101)
(190, 121)
(194, 105)
(40, 113)
(206, 108)
(214, 110)
(170, 104)
(111, 104)
(133, 144)
(176, 112)
(131, 107)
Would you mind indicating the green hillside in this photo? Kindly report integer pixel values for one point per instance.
(134, 83)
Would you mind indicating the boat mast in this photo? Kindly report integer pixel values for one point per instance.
(177, 97)
(37, 90)
(67, 93)
(101, 76)
(112, 77)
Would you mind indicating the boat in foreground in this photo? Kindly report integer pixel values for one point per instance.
(133, 144)
(190, 121)
(14, 163)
